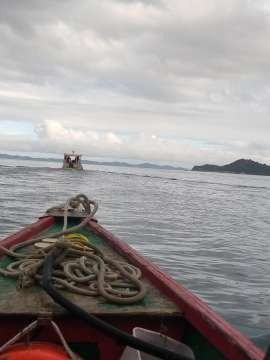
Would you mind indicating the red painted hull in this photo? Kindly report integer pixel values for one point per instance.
(227, 340)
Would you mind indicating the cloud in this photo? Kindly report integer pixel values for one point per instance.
(193, 73)
(52, 135)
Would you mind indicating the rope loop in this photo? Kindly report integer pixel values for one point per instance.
(80, 267)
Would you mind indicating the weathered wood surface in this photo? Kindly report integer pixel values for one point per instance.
(33, 301)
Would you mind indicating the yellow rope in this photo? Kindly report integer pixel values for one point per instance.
(82, 267)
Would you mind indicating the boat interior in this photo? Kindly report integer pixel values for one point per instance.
(155, 313)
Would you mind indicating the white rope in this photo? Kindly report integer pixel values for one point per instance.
(18, 336)
(63, 340)
(75, 202)
(81, 269)
(29, 328)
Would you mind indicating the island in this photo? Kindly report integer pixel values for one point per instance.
(241, 166)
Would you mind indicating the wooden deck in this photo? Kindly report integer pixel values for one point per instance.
(34, 301)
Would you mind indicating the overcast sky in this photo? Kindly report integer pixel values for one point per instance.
(173, 81)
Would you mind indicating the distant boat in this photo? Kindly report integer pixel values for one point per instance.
(72, 161)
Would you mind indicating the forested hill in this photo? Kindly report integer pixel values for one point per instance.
(241, 166)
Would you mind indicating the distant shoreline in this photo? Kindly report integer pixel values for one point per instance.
(241, 166)
(90, 162)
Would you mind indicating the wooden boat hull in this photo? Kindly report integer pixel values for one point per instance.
(170, 308)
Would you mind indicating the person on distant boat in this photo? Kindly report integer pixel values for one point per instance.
(68, 160)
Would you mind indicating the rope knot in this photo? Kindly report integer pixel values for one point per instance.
(25, 279)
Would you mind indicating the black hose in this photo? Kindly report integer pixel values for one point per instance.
(108, 329)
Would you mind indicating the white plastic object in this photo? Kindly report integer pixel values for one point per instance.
(158, 339)
(46, 242)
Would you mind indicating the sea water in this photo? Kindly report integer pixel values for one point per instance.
(210, 231)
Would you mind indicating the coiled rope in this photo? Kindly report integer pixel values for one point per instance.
(81, 267)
